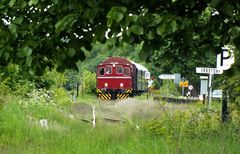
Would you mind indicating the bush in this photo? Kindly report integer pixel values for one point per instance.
(89, 81)
(54, 78)
(168, 88)
(61, 97)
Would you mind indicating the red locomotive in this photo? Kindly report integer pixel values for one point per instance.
(119, 78)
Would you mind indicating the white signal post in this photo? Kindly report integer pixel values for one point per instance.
(147, 77)
(210, 72)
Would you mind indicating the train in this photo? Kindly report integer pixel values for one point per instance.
(120, 78)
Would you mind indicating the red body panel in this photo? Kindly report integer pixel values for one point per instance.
(117, 75)
(114, 83)
(115, 80)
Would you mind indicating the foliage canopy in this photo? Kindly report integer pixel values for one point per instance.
(41, 33)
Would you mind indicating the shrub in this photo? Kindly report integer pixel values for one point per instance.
(168, 88)
(89, 81)
(54, 78)
(192, 124)
(61, 97)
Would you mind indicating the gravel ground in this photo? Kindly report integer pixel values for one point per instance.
(130, 108)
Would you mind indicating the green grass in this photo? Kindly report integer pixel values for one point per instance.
(86, 98)
(18, 134)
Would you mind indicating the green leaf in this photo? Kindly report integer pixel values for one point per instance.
(150, 35)
(128, 38)
(228, 9)
(146, 50)
(119, 9)
(116, 13)
(29, 61)
(6, 55)
(234, 32)
(32, 43)
(128, 32)
(132, 18)
(136, 29)
(225, 38)
(55, 1)
(66, 22)
(86, 52)
(1, 52)
(161, 29)
(92, 3)
(89, 14)
(117, 16)
(109, 22)
(23, 4)
(157, 19)
(32, 2)
(32, 70)
(173, 25)
(100, 33)
(215, 3)
(24, 52)
(11, 3)
(124, 23)
(13, 28)
(27, 51)
(60, 25)
(71, 52)
(18, 20)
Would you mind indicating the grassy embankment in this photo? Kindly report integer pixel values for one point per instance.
(191, 131)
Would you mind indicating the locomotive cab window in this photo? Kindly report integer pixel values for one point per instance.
(126, 71)
(119, 69)
(108, 69)
(101, 71)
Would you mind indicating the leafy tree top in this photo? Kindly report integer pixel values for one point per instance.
(41, 33)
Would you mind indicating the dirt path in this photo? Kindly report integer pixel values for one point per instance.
(130, 108)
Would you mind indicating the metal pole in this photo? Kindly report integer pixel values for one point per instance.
(225, 113)
(182, 91)
(77, 88)
(204, 98)
(209, 89)
(82, 87)
(147, 92)
(147, 89)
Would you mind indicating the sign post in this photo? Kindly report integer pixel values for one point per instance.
(210, 72)
(190, 88)
(183, 83)
(147, 77)
(209, 88)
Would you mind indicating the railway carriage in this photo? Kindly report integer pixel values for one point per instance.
(119, 78)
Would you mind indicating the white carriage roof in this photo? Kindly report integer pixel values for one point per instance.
(139, 66)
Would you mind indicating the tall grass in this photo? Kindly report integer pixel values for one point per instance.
(19, 134)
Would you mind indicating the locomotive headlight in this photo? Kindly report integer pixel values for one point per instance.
(105, 85)
(121, 85)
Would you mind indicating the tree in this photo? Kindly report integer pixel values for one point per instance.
(41, 33)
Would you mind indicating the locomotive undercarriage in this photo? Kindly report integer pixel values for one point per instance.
(114, 94)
